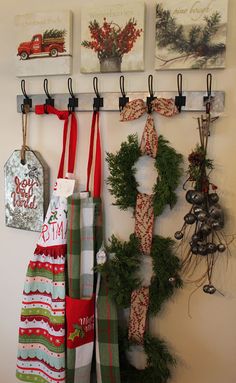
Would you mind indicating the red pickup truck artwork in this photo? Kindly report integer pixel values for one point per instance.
(51, 42)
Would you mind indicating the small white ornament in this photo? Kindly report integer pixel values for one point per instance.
(101, 257)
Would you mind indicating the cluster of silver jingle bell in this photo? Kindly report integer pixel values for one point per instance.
(208, 218)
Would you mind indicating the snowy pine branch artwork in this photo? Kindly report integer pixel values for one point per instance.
(190, 34)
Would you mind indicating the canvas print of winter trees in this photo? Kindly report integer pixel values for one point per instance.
(112, 37)
(43, 43)
(190, 34)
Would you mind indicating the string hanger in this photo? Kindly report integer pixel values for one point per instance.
(49, 100)
(180, 100)
(73, 101)
(151, 93)
(97, 101)
(122, 100)
(27, 101)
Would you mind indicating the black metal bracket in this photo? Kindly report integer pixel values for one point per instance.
(49, 100)
(122, 100)
(97, 101)
(27, 101)
(180, 100)
(209, 98)
(151, 94)
(73, 101)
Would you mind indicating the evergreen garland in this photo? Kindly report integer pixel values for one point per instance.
(121, 269)
(159, 361)
(168, 164)
(122, 182)
(165, 267)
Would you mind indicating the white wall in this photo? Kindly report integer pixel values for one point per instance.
(204, 344)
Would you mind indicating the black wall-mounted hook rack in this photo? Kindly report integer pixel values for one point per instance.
(151, 97)
(122, 100)
(97, 101)
(180, 100)
(27, 101)
(49, 100)
(73, 101)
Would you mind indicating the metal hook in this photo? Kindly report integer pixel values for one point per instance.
(49, 100)
(151, 94)
(73, 101)
(27, 101)
(150, 85)
(209, 98)
(122, 100)
(180, 100)
(97, 101)
(209, 84)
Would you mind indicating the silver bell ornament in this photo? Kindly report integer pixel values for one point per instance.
(221, 247)
(189, 218)
(202, 216)
(209, 289)
(189, 195)
(194, 249)
(197, 210)
(202, 250)
(216, 212)
(217, 224)
(205, 229)
(178, 235)
(198, 198)
(211, 247)
(213, 198)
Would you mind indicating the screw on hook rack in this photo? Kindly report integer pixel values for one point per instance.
(122, 100)
(180, 100)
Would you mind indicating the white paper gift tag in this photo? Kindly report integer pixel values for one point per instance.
(65, 187)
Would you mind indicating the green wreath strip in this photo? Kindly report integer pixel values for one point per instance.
(122, 267)
(121, 273)
(122, 182)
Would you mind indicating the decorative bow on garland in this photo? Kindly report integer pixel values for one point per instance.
(121, 270)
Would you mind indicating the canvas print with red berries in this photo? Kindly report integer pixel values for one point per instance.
(112, 38)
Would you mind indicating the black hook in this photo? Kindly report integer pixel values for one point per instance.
(209, 98)
(27, 101)
(97, 101)
(73, 101)
(180, 100)
(122, 100)
(151, 93)
(49, 100)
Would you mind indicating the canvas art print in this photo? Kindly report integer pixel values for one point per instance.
(112, 38)
(190, 34)
(43, 43)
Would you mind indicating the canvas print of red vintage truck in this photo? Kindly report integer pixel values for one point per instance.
(44, 43)
(51, 42)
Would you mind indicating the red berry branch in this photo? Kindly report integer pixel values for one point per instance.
(110, 40)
